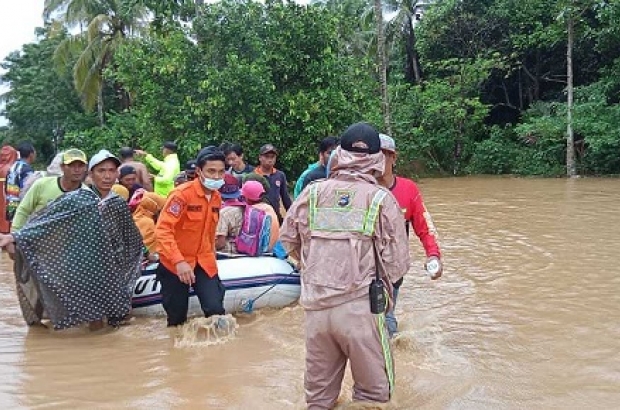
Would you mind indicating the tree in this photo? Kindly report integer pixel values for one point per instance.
(40, 99)
(401, 23)
(110, 24)
(572, 13)
(382, 66)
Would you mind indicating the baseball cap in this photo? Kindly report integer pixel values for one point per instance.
(101, 156)
(267, 148)
(387, 143)
(127, 170)
(252, 190)
(230, 189)
(190, 165)
(72, 155)
(361, 137)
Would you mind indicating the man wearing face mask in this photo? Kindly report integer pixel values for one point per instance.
(185, 235)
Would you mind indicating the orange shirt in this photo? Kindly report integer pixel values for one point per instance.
(186, 228)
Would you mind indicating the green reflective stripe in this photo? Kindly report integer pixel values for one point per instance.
(312, 213)
(387, 351)
(373, 212)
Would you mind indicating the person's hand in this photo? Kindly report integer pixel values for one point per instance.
(10, 248)
(438, 274)
(185, 273)
(6, 240)
(140, 152)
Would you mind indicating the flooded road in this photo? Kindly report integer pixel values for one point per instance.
(527, 316)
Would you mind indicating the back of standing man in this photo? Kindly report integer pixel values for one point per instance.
(142, 174)
(277, 180)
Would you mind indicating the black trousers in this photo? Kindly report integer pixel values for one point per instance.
(175, 294)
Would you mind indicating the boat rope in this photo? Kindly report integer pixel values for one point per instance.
(248, 304)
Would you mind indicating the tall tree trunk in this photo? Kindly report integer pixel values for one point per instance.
(412, 54)
(100, 106)
(571, 169)
(382, 61)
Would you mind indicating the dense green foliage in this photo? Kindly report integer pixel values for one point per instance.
(475, 87)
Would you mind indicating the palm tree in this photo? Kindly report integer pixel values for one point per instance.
(110, 23)
(399, 25)
(403, 12)
(382, 62)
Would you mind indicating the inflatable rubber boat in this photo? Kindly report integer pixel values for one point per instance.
(251, 283)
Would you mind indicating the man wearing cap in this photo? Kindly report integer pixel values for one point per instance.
(413, 209)
(277, 180)
(188, 174)
(346, 232)
(185, 235)
(168, 168)
(142, 174)
(46, 189)
(103, 172)
(86, 239)
(42, 192)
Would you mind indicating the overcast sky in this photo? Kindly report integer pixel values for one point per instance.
(18, 19)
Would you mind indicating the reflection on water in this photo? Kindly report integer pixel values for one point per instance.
(526, 316)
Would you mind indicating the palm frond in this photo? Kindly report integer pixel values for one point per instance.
(52, 6)
(67, 50)
(98, 25)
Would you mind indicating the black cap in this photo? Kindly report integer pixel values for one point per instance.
(171, 145)
(361, 137)
(190, 165)
(267, 148)
(127, 170)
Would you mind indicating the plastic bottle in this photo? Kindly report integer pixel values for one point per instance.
(432, 267)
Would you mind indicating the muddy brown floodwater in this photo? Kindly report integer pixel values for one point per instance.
(527, 316)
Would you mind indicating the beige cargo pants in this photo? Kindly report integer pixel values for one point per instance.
(349, 331)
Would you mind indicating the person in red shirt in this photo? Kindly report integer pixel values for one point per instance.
(416, 215)
(185, 235)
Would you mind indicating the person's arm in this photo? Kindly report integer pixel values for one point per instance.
(423, 225)
(168, 171)
(222, 231)
(26, 207)
(148, 235)
(286, 198)
(170, 216)
(145, 178)
(301, 183)
(154, 162)
(290, 230)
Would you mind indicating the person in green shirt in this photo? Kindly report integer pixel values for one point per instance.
(46, 189)
(168, 168)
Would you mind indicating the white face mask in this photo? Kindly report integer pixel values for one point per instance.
(212, 184)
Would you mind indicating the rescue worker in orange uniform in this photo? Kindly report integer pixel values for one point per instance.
(186, 241)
